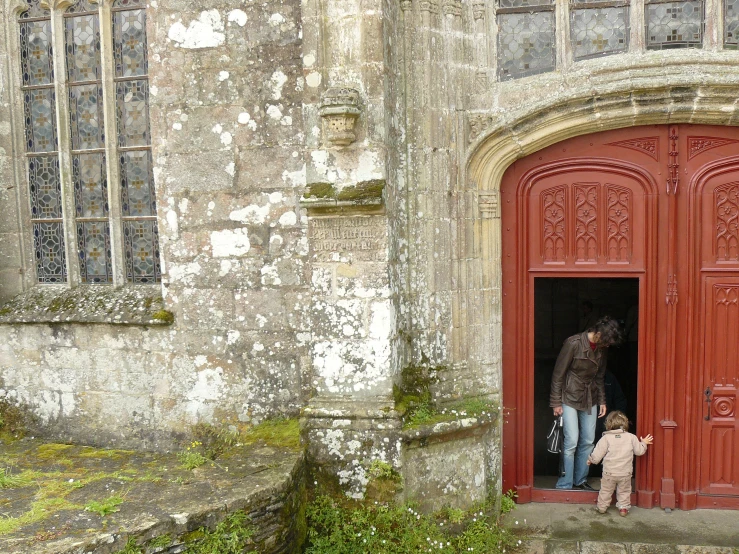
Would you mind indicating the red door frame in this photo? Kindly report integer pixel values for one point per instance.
(677, 458)
(518, 466)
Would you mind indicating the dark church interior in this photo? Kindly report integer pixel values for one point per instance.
(564, 307)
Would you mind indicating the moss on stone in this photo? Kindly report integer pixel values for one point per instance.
(363, 191)
(164, 316)
(125, 306)
(320, 190)
(278, 432)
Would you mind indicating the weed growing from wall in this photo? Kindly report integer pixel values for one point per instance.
(340, 527)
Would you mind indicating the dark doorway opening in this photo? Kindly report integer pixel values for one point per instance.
(565, 306)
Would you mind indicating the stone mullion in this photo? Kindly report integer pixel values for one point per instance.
(714, 25)
(637, 26)
(115, 212)
(65, 146)
(563, 56)
(12, 67)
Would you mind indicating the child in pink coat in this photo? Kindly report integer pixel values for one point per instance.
(617, 449)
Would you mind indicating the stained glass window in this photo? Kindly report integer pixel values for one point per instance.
(138, 204)
(42, 157)
(674, 24)
(731, 24)
(525, 37)
(87, 130)
(81, 216)
(598, 31)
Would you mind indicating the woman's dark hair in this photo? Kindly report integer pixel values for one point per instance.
(610, 331)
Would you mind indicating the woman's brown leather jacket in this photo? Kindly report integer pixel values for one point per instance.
(578, 375)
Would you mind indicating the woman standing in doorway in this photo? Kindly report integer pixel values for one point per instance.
(578, 395)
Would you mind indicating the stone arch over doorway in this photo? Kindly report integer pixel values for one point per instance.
(561, 119)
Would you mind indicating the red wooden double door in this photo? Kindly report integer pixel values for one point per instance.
(659, 204)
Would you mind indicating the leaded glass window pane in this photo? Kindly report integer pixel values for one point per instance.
(129, 3)
(86, 117)
(37, 64)
(48, 240)
(87, 133)
(674, 25)
(83, 48)
(45, 187)
(142, 251)
(731, 23)
(133, 113)
(525, 44)
(599, 31)
(39, 106)
(40, 111)
(524, 3)
(93, 244)
(90, 185)
(137, 184)
(130, 43)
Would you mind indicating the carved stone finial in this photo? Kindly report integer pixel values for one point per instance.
(406, 5)
(452, 7)
(339, 112)
(478, 10)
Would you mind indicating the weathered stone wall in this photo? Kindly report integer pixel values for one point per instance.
(226, 86)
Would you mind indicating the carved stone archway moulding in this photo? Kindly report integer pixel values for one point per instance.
(501, 141)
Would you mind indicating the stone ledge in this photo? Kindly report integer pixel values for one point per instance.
(161, 499)
(446, 430)
(141, 305)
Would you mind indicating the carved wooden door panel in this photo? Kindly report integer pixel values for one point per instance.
(719, 468)
(657, 203)
(715, 202)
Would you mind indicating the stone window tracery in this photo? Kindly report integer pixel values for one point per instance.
(537, 36)
(93, 208)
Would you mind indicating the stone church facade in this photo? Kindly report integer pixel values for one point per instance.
(218, 211)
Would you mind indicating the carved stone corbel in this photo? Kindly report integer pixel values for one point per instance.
(339, 113)
(488, 204)
(477, 124)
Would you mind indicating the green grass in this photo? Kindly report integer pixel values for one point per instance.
(106, 507)
(9, 481)
(39, 511)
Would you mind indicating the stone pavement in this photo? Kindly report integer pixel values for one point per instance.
(48, 491)
(579, 529)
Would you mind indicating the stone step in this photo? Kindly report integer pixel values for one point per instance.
(579, 529)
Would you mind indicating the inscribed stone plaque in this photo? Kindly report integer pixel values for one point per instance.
(361, 238)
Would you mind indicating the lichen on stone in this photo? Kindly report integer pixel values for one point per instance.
(99, 304)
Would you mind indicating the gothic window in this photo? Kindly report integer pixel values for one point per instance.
(674, 24)
(93, 209)
(598, 28)
(731, 24)
(525, 37)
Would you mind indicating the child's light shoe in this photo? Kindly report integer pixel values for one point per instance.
(600, 511)
(623, 512)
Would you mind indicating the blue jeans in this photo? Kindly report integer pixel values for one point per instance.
(579, 429)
